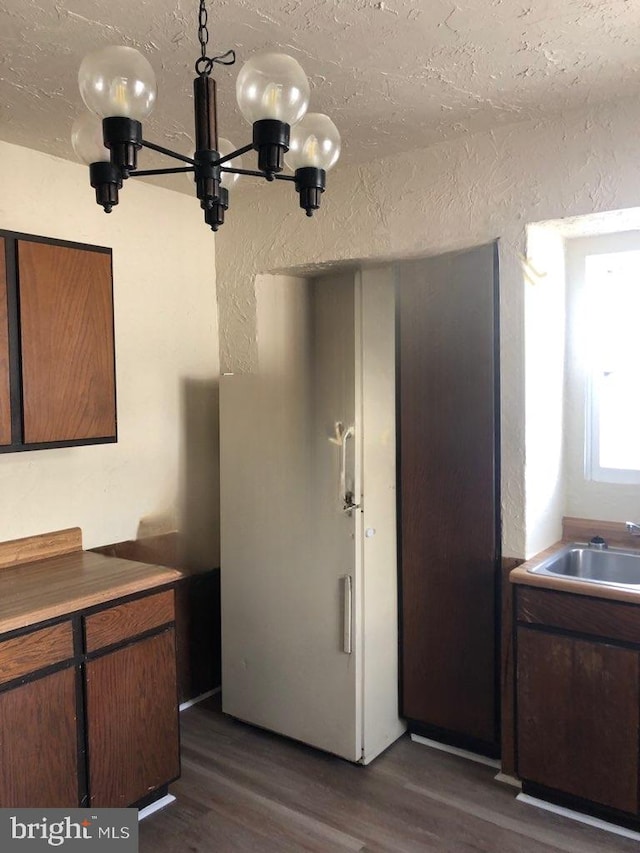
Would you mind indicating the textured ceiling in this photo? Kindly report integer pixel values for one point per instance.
(394, 74)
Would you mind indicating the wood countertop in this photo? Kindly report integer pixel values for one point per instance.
(33, 592)
(521, 575)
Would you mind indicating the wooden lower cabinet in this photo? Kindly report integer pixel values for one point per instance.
(578, 701)
(578, 716)
(132, 721)
(101, 729)
(38, 743)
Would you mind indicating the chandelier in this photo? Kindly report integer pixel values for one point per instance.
(118, 86)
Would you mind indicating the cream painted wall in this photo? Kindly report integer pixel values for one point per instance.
(428, 201)
(163, 471)
(283, 320)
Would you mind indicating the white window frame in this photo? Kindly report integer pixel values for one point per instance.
(577, 250)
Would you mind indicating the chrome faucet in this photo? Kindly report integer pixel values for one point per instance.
(633, 528)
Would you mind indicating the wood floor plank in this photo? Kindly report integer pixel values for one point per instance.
(243, 789)
(273, 818)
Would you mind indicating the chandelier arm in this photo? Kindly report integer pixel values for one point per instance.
(255, 173)
(238, 153)
(178, 170)
(167, 152)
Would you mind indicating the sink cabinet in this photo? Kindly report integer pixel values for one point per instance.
(578, 701)
(88, 706)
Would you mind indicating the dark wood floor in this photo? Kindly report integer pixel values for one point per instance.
(243, 789)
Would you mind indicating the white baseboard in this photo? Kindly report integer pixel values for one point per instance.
(454, 750)
(578, 816)
(201, 698)
(508, 780)
(162, 803)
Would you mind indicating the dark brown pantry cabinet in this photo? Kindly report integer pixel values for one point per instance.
(448, 484)
(57, 359)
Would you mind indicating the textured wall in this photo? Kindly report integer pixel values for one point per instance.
(545, 320)
(163, 469)
(432, 200)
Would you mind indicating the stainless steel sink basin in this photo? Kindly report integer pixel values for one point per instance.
(610, 567)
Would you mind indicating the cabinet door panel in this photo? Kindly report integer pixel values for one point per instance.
(449, 493)
(38, 744)
(132, 720)
(578, 717)
(66, 322)
(5, 395)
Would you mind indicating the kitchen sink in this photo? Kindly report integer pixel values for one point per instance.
(609, 567)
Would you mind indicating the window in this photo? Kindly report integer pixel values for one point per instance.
(609, 341)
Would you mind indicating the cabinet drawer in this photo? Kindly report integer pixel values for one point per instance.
(128, 620)
(614, 620)
(30, 652)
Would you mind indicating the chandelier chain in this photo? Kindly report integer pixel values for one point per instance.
(204, 64)
(203, 32)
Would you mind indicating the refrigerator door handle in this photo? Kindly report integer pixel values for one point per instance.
(348, 498)
(347, 624)
(340, 438)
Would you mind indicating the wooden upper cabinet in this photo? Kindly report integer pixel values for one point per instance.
(5, 394)
(67, 345)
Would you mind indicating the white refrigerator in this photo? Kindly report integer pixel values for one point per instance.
(308, 516)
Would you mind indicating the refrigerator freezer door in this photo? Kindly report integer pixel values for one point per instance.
(287, 542)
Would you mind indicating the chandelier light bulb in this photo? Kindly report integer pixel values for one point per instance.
(272, 86)
(118, 81)
(315, 142)
(86, 139)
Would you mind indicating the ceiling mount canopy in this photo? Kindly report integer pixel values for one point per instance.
(118, 86)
